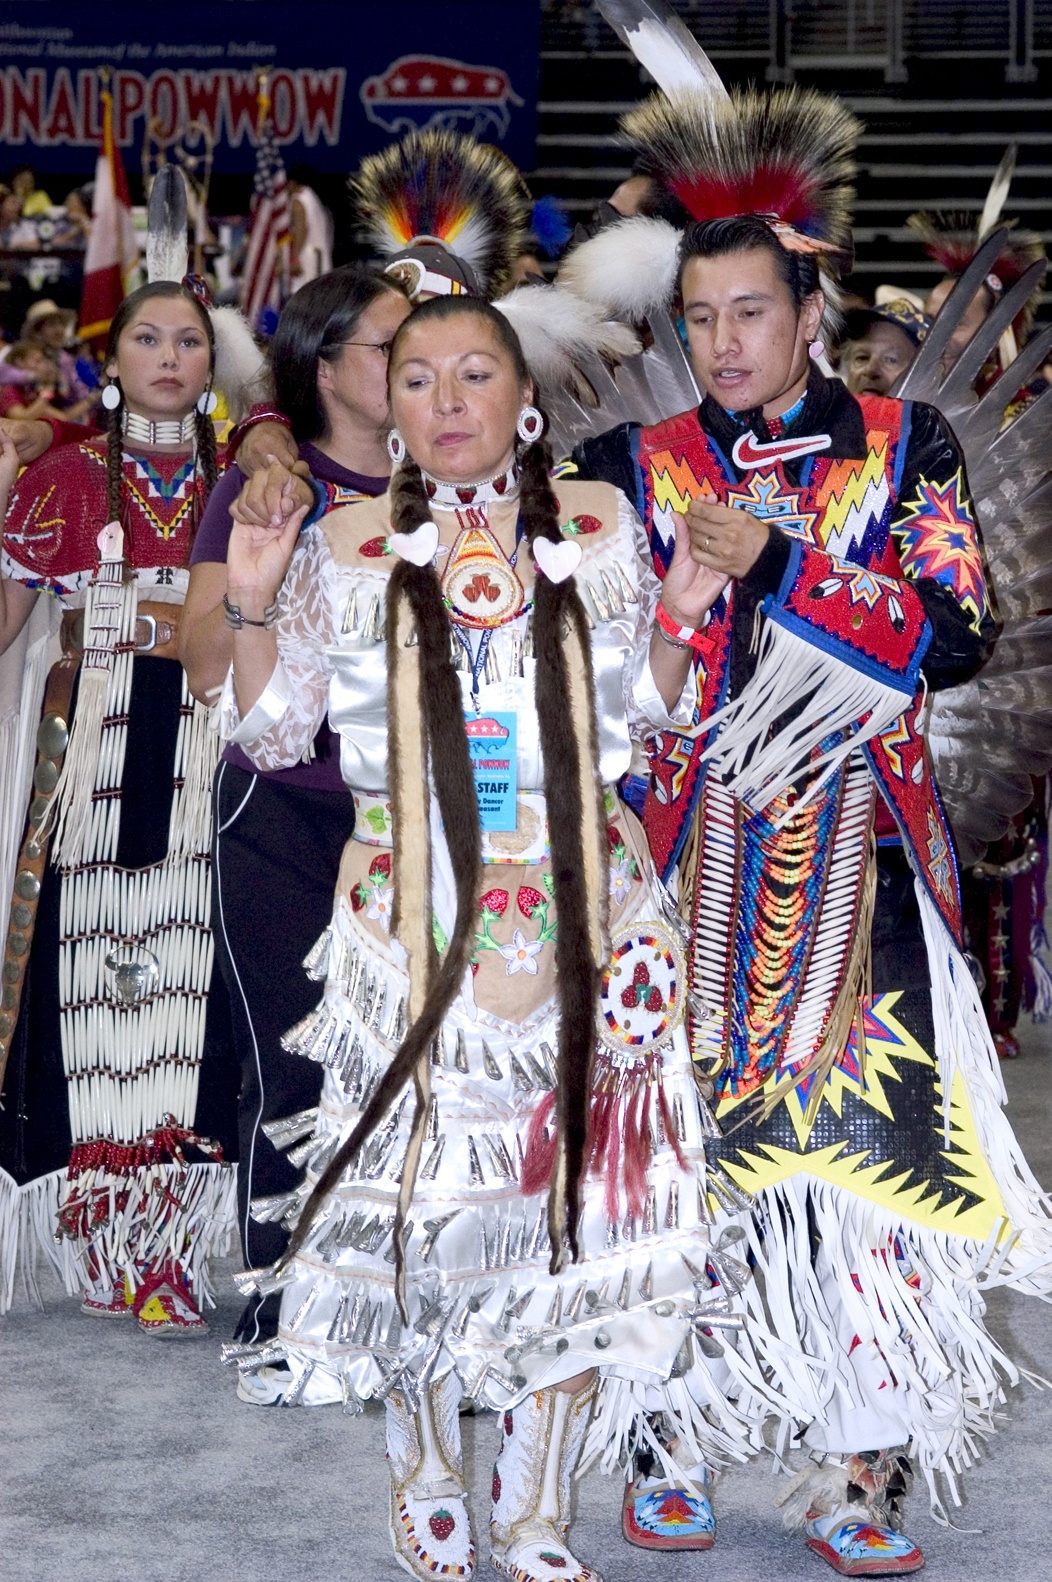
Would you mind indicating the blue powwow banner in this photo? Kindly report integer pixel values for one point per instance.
(344, 77)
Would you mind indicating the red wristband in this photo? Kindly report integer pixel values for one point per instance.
(692, 636)
(260, 413)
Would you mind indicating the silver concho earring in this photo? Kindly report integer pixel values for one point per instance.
(111, 397)
(207, 402)
(530, 425)
(396, 447)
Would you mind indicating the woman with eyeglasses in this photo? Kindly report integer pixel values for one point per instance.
(277, 834)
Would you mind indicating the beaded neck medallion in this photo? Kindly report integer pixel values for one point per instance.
(479, 584)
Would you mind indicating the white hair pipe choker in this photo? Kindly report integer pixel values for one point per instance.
(174, 431)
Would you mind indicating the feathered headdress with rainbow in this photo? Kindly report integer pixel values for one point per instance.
(439, 190)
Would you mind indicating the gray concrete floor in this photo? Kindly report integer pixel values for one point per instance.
(126, 1459)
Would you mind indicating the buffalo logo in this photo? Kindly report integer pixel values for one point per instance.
(420, 91)
(487, 733)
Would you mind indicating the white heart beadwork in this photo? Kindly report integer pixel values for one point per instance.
(418, 548)
(557, 561)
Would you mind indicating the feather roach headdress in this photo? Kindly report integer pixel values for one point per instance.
(441, 201)
(787, 156)
(952, 241)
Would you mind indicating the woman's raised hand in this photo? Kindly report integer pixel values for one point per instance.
(9, 465)
(257, 559)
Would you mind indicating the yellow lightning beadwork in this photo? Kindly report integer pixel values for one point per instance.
(675, 484)
(854, 495)
(768, 1163)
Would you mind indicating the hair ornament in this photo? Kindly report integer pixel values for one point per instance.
(558, 561)
(451, 201)
(419, 547)
(198, 285)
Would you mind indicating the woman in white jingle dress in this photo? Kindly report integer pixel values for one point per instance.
(479, 1106)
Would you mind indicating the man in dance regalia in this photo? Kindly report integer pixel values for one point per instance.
(854, 1082)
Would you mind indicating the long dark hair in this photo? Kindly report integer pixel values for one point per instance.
(569, 778)
(206, 434)
(313, 326)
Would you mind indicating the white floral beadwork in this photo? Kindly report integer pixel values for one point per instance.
(620, 881)
(520, 953)
(382, 907)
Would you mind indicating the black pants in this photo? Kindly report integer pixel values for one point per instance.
(275, 860)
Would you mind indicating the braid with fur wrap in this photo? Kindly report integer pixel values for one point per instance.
(565, 699)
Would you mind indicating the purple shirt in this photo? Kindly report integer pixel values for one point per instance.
(210, 543)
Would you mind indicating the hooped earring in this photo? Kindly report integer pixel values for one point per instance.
(530, 426)
(111, 397)
(207, 402)
(816, 350)
(396, 447)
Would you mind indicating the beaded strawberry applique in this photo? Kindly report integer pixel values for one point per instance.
(642, 992)
(442, 1524)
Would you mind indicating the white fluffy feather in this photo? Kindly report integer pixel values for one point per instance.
(557, 329)
(241, 368)
(628, 270)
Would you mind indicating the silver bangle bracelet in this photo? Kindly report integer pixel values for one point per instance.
(236, 620)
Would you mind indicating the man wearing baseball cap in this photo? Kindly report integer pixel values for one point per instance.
(880, 343)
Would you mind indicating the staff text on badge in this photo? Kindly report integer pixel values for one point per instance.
(492, 742)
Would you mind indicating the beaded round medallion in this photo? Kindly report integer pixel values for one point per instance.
(644, 988)
(479, 583)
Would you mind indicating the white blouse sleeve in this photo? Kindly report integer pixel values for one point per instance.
(279, 729)
(644, 703)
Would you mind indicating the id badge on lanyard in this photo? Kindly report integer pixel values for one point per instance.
(493, 744)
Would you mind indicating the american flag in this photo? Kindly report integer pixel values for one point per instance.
(270, 225)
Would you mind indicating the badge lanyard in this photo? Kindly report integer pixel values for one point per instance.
(478, 663)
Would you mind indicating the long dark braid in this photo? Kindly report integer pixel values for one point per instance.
(557, 604)
(207, 466)
(450, 764)
(114, 466)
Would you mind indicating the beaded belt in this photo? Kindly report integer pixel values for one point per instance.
(526, 844)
